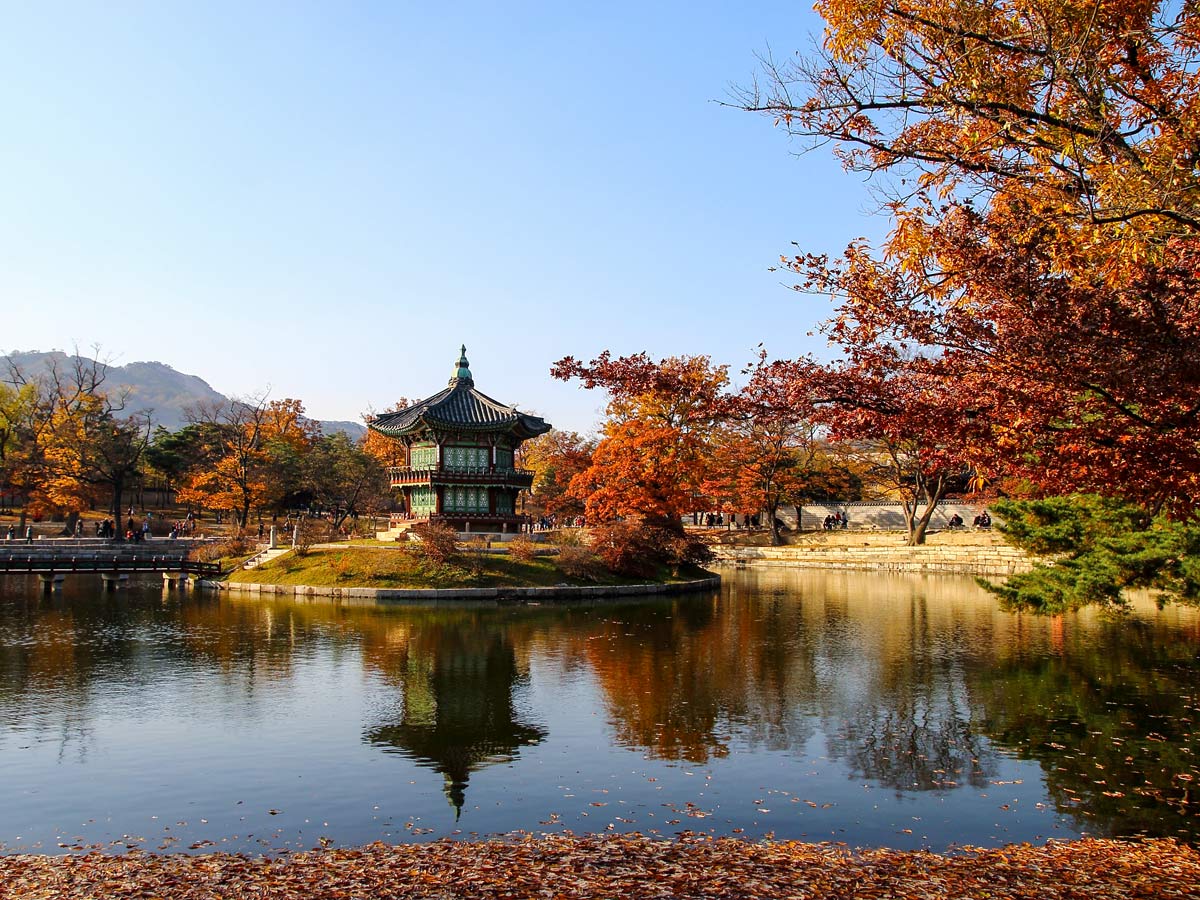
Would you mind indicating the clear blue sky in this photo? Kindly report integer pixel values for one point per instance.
(325, 200)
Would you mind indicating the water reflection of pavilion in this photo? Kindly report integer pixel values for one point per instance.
(458, 712)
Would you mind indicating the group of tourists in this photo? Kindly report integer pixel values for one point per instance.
(183, 526)
(983, 520)
(836, 520)
(552, 521)
(716, 519)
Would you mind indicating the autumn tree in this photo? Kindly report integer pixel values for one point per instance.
(74, 438)
(17, 426)
(342, 477)
(93, 452)
(1041, 165)
(252, 441)
(763, 451)
(905, 426)
(824, 472)
(651, 459)
(555, 458)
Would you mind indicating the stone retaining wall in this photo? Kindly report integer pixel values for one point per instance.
(998, 560)
(498, 595)
(879, 514)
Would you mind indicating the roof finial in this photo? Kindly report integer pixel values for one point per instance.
(463, 373)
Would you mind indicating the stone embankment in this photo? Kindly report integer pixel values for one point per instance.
(884, 553)
(555, 594)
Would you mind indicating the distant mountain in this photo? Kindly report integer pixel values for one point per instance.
(354, 430)
(153, 386)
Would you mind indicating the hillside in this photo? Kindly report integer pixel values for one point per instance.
(154, 387)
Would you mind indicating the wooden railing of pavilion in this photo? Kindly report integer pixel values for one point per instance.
(400, 475)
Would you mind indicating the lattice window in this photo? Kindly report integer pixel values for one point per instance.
(423, 500)
(424, 456)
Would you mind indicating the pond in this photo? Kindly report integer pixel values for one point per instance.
(877, 710)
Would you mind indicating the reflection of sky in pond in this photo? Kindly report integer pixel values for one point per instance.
(876, 710)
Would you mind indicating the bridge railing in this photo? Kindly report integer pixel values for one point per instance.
(47, 563)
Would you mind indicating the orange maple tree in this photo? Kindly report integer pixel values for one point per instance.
(556, 458)
(651, 460)
(765, 450)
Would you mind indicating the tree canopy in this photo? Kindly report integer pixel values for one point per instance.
(1042, 167)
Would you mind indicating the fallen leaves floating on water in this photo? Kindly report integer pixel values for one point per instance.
(566, 866)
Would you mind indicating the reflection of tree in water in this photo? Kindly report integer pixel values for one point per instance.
(683, 679)
(770, 668)
(56, 650)
(1114, 720)
(903, 681)
(907, 723)
(458, 715)
(917, 742)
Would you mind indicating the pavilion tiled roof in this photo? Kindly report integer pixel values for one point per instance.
(460, 407)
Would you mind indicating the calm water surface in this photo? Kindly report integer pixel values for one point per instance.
(901, 711)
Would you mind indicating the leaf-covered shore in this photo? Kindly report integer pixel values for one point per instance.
(628, 866)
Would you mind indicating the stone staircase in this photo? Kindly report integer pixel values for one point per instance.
(396, 532)
(265, 556)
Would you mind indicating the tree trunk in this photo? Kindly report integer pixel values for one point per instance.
(799, 519)
(776, 540)
(118, 488)
(916, 534)
(69, 528)
(918, 526)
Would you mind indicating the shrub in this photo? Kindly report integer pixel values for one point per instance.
(438, 543)
(624, 549)
(339, 564)
(567, 537)
(309, 532)
(522, 548)
(212, 551)
(638, 549)
(579, 562)
(474, 557)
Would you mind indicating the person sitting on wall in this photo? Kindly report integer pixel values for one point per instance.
(956, 521)
(983, 520)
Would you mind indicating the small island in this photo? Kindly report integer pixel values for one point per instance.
(518, 569)
(458, 532)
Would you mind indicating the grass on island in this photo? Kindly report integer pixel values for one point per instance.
(356, 566)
